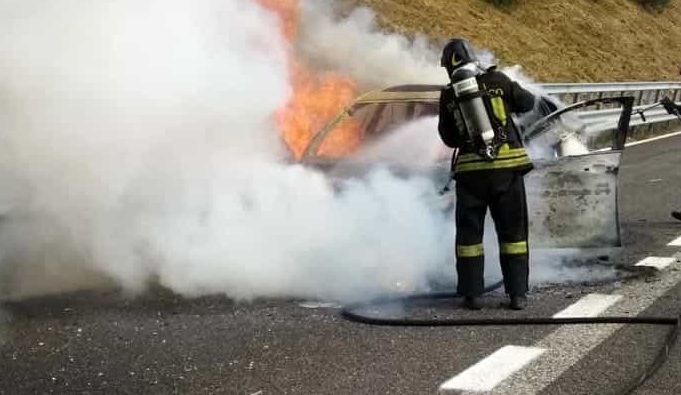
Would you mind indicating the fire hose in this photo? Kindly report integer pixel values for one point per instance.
(350, 312)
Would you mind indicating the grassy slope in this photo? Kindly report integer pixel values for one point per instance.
(554, 40)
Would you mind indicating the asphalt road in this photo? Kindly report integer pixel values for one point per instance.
(103, 343)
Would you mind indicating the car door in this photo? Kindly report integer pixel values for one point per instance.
(573, 196)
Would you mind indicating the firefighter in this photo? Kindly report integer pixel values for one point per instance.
(475, 120)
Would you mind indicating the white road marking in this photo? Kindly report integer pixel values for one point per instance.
(589, 306)
(664, 136)
(656, 262)
(312, 304)
(570, 343)
(561, 349)
(633, 143)
(486, 374)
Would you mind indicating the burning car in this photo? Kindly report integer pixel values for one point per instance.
(572, 193)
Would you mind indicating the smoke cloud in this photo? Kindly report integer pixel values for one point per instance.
(139, 144)
(355, 46)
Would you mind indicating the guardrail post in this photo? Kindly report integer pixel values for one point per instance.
(599, 105)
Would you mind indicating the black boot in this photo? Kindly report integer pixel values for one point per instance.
(518, 302)
(471, 303)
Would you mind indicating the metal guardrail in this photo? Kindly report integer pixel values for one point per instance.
(645, 94)
(555, 88)
(607, 119)
(651, 116)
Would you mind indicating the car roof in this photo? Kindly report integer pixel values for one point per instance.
(402, 93)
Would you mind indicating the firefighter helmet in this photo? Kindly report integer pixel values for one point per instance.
(457, 52)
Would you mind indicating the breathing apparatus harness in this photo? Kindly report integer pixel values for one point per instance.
(479, 128)
(472, 105)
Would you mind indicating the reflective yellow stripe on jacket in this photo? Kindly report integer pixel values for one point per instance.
(499, 109)
(508, 158)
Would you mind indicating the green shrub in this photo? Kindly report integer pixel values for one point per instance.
(654, 5)
(503, 3)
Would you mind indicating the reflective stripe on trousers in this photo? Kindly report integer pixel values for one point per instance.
(503, 193)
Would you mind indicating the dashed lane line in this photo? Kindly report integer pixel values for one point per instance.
(656, 262)
(664, 136)
(489, 372)
(482, 376)
(570, 343)
(675, 243)
(590, 305)
(639, 142)
(533, 368)
(486, 374)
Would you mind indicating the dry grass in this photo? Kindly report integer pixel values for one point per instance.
(554, 40)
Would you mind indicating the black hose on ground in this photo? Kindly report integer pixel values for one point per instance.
(349, 312)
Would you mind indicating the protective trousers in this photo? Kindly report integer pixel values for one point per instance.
(504, 193)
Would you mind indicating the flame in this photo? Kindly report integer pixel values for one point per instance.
(288, 12)
(316, 97)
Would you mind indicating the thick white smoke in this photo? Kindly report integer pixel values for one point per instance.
(139, 144)
(355, 46)
(415, 145)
